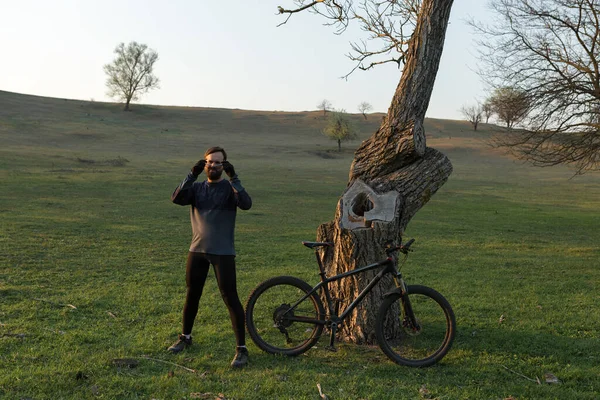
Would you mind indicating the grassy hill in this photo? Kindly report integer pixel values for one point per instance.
(92, 257)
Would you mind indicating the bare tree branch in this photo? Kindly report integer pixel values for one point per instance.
(387, 22)
(550, 50)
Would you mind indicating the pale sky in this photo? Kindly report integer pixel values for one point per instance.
(228, 54)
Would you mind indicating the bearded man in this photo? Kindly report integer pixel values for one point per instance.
(214, 203)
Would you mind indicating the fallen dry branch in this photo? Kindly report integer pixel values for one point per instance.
(57, 304)
(321, 394)
(170, 363)
(521, 375)
(17, 335)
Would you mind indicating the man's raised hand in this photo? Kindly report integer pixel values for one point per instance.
(228, 168)
(198, 167)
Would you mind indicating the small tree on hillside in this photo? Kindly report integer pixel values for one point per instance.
(487, 111)
(472, 114)
(510, 105)
(340, 128)
(364, 108)
(324, 105)
(130, 73)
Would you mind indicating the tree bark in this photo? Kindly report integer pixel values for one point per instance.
(392, 176)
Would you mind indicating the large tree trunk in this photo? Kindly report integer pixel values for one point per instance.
(392, 176)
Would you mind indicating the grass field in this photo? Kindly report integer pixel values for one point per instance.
(92, 256)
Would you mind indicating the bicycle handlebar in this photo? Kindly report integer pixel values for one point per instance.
(403, 248)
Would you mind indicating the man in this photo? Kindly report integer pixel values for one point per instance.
(214, 203)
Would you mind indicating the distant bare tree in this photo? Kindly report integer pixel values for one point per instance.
(510, 105)
(364, 108)
(324, 105)
(472, 114)
(340, 128)
(551, 50)
(130, 73)
(487, 111)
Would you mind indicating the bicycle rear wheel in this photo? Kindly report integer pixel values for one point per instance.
(424, 344)
(279, 322)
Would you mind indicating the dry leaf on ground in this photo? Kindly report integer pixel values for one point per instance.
(424, 392)
(550, 378)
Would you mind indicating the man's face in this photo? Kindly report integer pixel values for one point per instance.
(214, 166)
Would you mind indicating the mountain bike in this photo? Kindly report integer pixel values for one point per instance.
(415, 325)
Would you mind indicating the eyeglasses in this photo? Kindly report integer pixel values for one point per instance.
(214, 163)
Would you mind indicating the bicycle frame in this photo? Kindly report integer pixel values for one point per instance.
(388, 265)
(388, 268)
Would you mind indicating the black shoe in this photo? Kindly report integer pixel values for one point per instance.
(180, 344)
(241, 358)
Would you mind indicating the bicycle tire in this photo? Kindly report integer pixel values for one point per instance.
(267, 309)
(433, 339)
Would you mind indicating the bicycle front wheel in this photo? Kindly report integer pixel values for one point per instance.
(416, 345)
(282, 318)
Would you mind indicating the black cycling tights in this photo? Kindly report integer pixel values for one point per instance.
(197, 268)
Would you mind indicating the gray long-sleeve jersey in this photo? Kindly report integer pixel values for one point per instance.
(212, 212)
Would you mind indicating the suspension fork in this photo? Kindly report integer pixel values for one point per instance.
(409, 321)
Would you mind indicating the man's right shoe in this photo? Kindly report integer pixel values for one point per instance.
(241, 358)
(180, 344)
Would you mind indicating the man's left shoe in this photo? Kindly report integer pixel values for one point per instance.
(241, 358)
(181, 343)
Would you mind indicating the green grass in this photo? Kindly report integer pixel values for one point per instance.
(499, 239)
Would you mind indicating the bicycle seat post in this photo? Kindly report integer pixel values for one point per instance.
(328, 299)
(320, 263)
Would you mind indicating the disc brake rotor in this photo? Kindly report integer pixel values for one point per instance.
(410, 329)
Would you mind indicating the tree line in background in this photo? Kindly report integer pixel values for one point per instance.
(509, 105)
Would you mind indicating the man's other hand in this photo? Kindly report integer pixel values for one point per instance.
(228, 168)
(198, 167)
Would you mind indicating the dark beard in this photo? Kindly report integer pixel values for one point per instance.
(214, 174)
